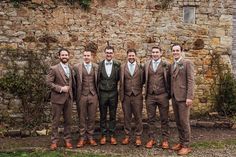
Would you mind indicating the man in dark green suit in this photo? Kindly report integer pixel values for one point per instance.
(108, 77)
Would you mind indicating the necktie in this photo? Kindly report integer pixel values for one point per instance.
(155, 65)
(131, 68)
(108, 63)
(175, 65)
(87, 66)
(67, 71)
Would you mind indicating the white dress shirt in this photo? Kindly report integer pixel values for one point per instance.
(131, 68)
(155, 64)
(88, 67)
(108, 67)
(66, 69)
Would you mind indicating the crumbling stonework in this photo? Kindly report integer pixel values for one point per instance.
(45, 26)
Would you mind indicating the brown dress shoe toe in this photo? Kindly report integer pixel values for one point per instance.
(53, 146)
(165, 144)
(103, 140)
(177, 147)
(125, 141)
(92, 142)
(113, 141)
(80, 144)
(150, 144)
(184, 151)
(138, 141)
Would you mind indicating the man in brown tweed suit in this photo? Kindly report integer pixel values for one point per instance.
(157, 83)
(182, 93)
(131, 85)
(60, 80)
(86, 98)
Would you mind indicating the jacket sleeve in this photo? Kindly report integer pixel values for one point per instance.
(50, 79)
(190, 80)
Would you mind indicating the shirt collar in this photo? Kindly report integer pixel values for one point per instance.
(134, 63)
(88, 64)
(106, 61)
(157, 61)
(177, 61)
(64, 65)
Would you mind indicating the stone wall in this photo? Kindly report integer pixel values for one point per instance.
(44, 26)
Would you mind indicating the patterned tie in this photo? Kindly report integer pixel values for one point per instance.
(131, 68)
(67, 71)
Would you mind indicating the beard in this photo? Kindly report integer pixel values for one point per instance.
(64, 60)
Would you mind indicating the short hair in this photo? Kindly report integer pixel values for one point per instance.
(157, 47)
(63, 49)
(176, 44)
(109, 48)
(88, 50)
(131, 50)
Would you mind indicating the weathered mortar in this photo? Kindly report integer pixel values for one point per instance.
(138, 24)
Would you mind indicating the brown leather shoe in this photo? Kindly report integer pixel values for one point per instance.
(69, 145)
(125, 141)
(165, 144)
(113, 141)
(177, 147)
(150, 144)
(138, 141)
(92, 142)
(53, 146)
(103, 140)
(81, 143)
(184, 151)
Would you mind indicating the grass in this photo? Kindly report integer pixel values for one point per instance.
(50, 154)
(213, 144)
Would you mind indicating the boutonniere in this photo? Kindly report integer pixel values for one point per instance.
(180, 64)
(165, 65)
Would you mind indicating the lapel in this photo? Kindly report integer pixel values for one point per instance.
(147, 68)
(136, 68)
(95, 72)
(159, 66)
(176, 70)
(122, 72)
(80, 66)
(62, 72)
(127, 68)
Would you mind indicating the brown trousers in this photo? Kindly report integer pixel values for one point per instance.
(133, 105)
(57, 110)
(182, 113)
(162, 102)
(87, 113)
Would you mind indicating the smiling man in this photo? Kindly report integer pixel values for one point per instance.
(60, 80)
(108, 77)
(157, 93)
(182, 93)
(131, 85)
(86, 98)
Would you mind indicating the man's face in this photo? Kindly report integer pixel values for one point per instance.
(109, 54)
(87, 57)
(156, 54)
(131, 57)
(176, 51)
(64, 56)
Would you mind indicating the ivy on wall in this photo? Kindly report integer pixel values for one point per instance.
(84, 4)
(27, 83)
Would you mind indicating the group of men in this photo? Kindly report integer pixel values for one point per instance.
(92, 85)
